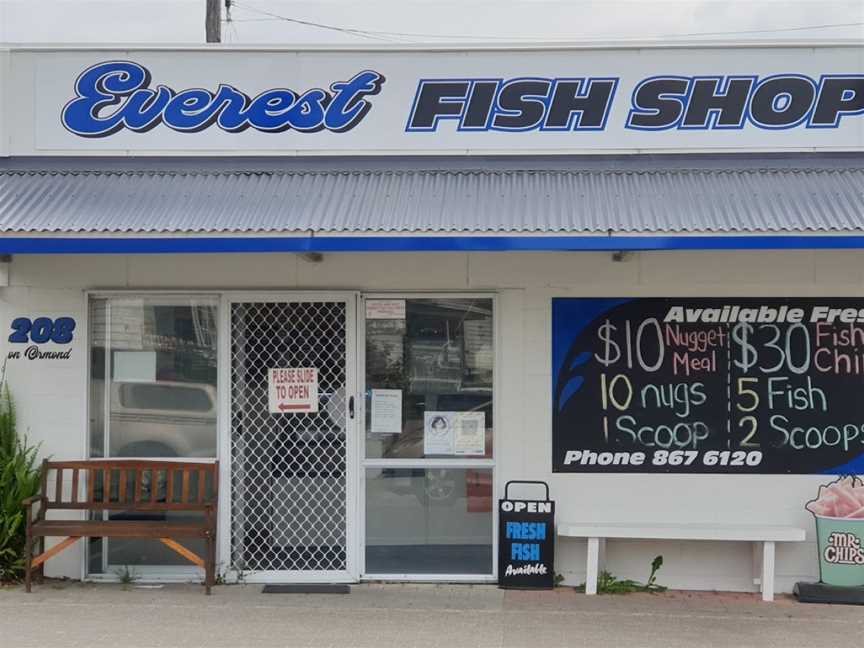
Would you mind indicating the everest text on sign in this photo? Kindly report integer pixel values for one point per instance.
(293, 390)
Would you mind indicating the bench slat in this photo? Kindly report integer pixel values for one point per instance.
(169, 486)
(185, 495)
(696, 531)
(119, 529)
(74, 485)
(58, 487)
(91, 485)
(121, 487)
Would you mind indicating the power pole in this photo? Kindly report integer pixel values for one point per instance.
(213, 21)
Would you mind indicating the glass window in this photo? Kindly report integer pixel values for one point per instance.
(152, 394)
(440, 358)
(153, 377)
(428, 521)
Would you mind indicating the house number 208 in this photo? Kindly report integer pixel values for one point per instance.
(42, 330)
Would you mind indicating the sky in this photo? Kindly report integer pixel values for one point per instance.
(290, 22)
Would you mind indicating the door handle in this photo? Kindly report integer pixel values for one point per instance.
(351, 407)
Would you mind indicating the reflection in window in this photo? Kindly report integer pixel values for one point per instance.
(441, 358)
(152, 394)
(428, 521)
(159, 357)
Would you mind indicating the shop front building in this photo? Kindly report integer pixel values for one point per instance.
(378, 284)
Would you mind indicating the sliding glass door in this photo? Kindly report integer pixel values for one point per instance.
(429, 462)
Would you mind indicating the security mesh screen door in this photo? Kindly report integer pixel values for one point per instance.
(289, 475)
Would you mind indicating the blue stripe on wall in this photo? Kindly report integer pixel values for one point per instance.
(196, 245)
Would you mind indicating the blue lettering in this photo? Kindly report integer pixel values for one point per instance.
(513, 531)
(348, 106)
(525, 551)
(525, 531)
(114, 95)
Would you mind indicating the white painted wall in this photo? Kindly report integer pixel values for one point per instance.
(51, 396)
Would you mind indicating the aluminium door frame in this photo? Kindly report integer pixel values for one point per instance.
(352, 572)
(460, 462)
(147, 573)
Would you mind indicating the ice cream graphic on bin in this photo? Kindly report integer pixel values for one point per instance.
(839, 512)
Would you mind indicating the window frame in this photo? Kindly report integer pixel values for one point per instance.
(424, 463)
(165, 573)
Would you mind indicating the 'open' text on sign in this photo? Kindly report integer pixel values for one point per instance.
(293, 390)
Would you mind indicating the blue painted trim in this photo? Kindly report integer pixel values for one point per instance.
(226, 245)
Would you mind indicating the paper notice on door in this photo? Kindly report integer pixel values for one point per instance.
(438, 433)
(386, 411)
(469, 433)
(387, 309)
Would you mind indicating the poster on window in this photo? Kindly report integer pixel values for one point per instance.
(720, 385)
(438, 433)
(386, 411)
(469, 433)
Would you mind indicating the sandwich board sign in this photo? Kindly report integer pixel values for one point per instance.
(526, 541)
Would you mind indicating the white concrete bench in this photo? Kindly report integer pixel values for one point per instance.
(597, 534)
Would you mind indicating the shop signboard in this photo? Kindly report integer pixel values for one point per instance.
(420, 102)
(526, 541)
(708, 385)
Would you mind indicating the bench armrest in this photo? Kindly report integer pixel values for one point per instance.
(28, 503)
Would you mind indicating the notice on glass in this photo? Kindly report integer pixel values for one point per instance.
(386, 411)
(469, 433)
(135, 366)
(386, 309)
(438, 433)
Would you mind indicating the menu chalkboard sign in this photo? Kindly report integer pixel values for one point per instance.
(720, 385)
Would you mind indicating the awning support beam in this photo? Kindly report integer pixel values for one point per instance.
(325, 244)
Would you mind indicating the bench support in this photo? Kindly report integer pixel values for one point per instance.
(191, 556)
(768, 571)
(596, 549)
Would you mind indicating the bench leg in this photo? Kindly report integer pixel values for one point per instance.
(210, 565)
(40, 573)
(593, 566)
(767, 571)
(28, 560)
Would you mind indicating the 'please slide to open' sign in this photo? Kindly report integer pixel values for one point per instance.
(293, 390)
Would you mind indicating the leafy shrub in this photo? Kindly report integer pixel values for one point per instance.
(19, 479)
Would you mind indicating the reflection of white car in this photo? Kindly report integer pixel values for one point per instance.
(162, 419)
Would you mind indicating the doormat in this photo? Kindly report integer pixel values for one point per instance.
(307, 588)
(822, 593)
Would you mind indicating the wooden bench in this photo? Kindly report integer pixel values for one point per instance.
(128, 486)
(767, 536)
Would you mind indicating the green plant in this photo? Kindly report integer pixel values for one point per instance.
(557, 579)
(19, 479)
(127, 576)
(652, 585)
(607, 583)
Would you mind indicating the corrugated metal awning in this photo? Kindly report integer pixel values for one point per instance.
(587, 197)
(741, 198)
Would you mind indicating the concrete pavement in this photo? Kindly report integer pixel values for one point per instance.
(402, 616)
